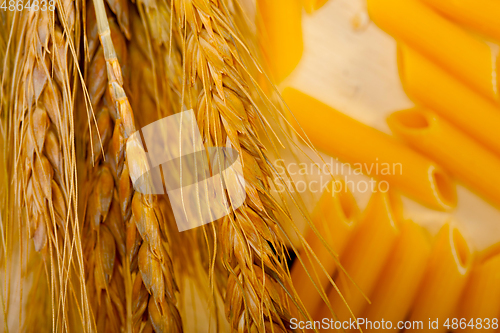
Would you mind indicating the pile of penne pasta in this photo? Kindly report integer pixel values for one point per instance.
(406, 274)
(447, 60)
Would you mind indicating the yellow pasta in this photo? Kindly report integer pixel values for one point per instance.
(464, 158)
(375, 153)
(397, 286)
(364, 257)
(434, 88)
(413, 23)
(480, 15)
(481, 298)
(280, 30)
(312, 5)
(488, 252)
(446, 276)
(334, 218)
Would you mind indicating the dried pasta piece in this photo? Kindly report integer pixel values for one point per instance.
(280, 32)
(364, 257)
(467, 160)
(481, 298)
(375, 153)
(446, 276)
(398, 285)
(334, 218)
(313, 5)
(431, 86)
(452, 48)
(479, 15)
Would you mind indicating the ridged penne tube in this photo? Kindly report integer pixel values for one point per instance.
(431, 86)
(464, 158)
(364, 257)
(479, 15)
(417, 25)
(334, 217)
(397, 286)
(481, 298)
(312, 5)
(280, 32)
(367, 149)
(444, 280)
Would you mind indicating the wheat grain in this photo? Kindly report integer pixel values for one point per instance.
(120, 9)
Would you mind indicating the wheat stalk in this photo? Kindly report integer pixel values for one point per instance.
(43, 164)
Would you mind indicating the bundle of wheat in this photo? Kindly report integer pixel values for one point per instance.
(83, 76)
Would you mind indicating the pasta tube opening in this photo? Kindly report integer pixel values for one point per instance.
(460, 251)
(445, 189)
(411, 119)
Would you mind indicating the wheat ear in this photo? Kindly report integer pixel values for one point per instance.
(218, 86)
(108, 196)
(44, 167)
(141, 213)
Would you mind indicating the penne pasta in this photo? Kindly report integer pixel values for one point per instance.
(452, 48)
(364, 258)
(464, 158)
(434, 88)
(481, 298)
(397, 286)
(313, 5)
(367, 149)
(280, 30)
(444, 280)
(479, 15)
(334, 218)
(488, 252)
